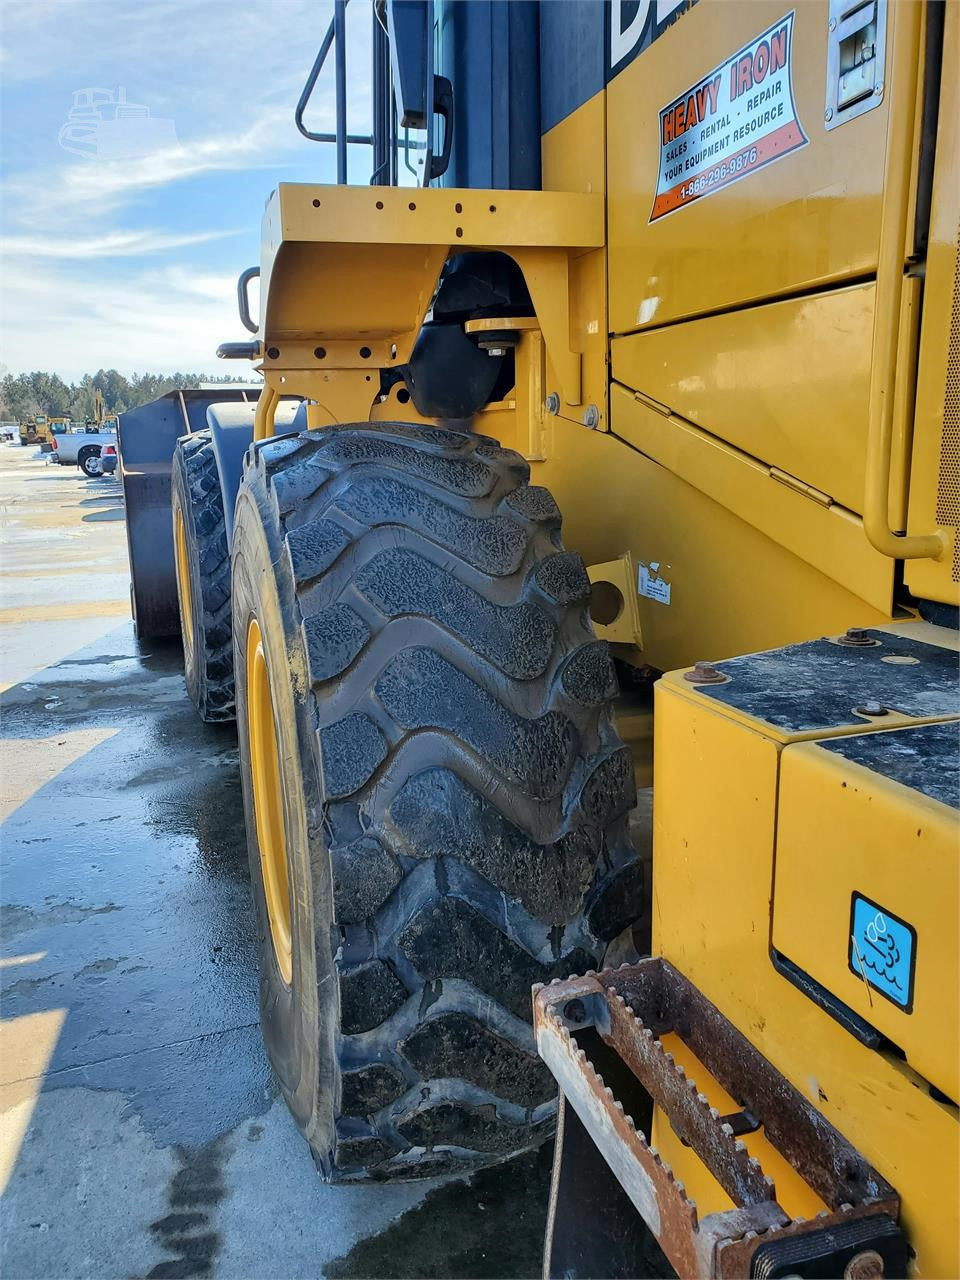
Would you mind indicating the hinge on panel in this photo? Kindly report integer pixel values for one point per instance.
(798, 486)
(653, 404)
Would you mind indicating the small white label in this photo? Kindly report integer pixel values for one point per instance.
(651, 585)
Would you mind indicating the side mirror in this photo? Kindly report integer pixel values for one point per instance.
(408, 26)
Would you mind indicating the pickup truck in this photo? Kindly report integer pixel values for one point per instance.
(82, 449)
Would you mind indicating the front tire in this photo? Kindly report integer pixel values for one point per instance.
(454, 796)
(202, 561)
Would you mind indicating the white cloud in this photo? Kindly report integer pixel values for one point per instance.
(102, 182)
(111, 244)
(79, 38)
(152, 322)
(95, 189)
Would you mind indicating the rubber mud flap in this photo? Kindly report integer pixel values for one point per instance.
(197, 499)
(454, 793)
(146, 442)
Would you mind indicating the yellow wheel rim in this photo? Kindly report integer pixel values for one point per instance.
(183, 583)
(267, 800)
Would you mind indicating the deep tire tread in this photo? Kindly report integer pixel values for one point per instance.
(426, 568)
(212, 686)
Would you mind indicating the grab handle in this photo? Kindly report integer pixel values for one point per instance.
(243, 297)
(886, 322)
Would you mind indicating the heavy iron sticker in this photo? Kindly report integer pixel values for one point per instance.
(738, 118)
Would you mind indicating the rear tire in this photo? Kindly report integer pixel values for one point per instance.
(203, 577)
(454, 794)
(88, 460)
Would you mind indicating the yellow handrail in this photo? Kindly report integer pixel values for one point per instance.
(266, 410)
(905, 39)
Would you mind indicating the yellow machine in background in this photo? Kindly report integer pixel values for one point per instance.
(34, 429)
(724, 334)
(102, 420)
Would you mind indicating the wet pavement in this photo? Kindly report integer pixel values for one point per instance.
(140, 1130)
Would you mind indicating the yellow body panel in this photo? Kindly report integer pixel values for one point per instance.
(750, 313)
(617, 499)
(716, 780)
(810, 218)
(737, 376)
(846, 829)
(824, 535)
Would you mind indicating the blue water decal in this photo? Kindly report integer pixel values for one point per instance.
(883, 951)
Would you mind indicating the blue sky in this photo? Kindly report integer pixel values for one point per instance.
(130, 260)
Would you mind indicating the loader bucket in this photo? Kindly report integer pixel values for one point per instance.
(147, 439)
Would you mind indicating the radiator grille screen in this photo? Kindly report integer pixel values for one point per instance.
(948, 488)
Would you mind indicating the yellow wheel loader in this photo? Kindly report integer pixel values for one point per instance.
(34, 429)
(686, 274)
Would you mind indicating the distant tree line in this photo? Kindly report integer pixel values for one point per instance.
(30, 393)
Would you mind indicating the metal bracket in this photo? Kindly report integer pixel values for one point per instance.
(352, 271)
(615, 589)
(547, 276)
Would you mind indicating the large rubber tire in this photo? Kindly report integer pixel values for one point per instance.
(205, 619)
(455, 796)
